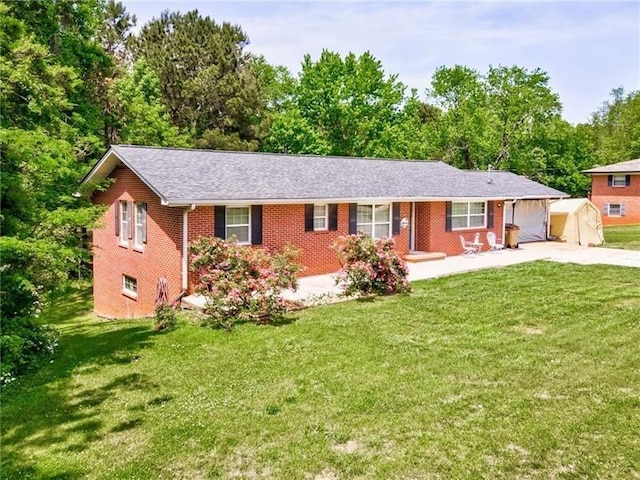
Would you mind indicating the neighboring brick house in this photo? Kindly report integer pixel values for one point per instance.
(615, 190)
(160, 199)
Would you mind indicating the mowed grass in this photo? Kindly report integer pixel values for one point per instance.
(531, 371)
(622, 236)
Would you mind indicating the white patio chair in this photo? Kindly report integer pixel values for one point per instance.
(468, 248)
(493, 242)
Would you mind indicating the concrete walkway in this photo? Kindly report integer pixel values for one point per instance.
(322, 288)
(317, 286)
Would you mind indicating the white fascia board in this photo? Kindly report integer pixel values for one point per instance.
(106, 165)
(298, 201)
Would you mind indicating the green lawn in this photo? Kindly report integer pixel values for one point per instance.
(625, 236)
(531, 371)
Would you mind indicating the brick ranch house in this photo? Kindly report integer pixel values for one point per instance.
(615, 190)
(160, 199)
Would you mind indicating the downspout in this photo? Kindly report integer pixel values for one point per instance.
(185, 249)
(412, 232)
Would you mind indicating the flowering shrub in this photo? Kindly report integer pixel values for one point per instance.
(242, 283)
(370, 266)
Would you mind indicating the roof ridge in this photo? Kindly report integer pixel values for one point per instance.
(291, 155)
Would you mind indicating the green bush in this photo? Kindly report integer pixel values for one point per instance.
(370, 266)
(165, 317)
(241, 282)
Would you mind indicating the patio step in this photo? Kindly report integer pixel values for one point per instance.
(415, 257)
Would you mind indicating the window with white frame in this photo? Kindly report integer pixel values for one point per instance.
(468, 215)
(129, 285)
(141, 225)
(374, 220)
(619, 181)
(614, 209)
(125, 218)
(238, 223)
(320, 215)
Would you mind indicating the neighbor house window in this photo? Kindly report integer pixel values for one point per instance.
(129, 286)
(141, 225)
(468, 215)
(320, 217)
(619, 181)
(374, 220)
(614, 209)
(125, 217)
(238, 223)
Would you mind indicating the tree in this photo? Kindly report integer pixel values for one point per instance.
(519, 99)
(616, 127)
(115, 32)
(142, 118)
(46, 128)
(344, 104)
(462, 137)
(490, 119)
(205, 77)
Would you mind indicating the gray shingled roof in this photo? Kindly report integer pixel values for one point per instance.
(630, 166)
(182, 176)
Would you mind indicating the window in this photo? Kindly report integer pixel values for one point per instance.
(141, 225)
(619, 181)
(124, 223)
(468, 215)
(238, 221)
(320, 217)
(129, 285)
(614, 209)
(374, 220)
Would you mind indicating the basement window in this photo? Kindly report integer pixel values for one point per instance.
(129, 286)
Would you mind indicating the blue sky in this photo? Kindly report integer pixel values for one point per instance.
(587, 48)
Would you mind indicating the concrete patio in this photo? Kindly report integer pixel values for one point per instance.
(322, 285)
(319, 288)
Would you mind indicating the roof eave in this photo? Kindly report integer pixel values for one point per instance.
(102, 169)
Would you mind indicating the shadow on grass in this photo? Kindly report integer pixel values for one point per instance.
(47, 410)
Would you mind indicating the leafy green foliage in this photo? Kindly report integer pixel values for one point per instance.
(616, 128)
(30, 270)
(242, 283)
(370, 266)
(205, 78)
(338, 107)
(165, 317)
(142, 118)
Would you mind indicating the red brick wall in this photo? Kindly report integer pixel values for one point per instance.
(601, 194)
(282, 224)
(431, 235)
(161, 256)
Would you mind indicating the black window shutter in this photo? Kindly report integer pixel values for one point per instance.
(144, 223)
(333, 216)
(256, 225)
(353, 218)
(447, 225)
(610, 180)
(489, 214)
(220, 221)
(116, 208)
(627, 180)
(395, 208)
(130, 219)
(308, 217)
